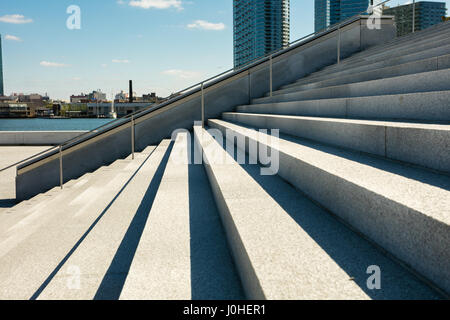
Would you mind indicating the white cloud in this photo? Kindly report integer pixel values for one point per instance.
(205, 25)
(157, 4)
(76, 78)
(104, 65)
(120, 61)
(15, 18)
(53, 64)
(12, 38)
(183, 74)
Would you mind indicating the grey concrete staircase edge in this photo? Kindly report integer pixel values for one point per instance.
(405, 217)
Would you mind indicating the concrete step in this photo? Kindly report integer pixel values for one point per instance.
(55, 198)
(423, 106)
(420, 144)
(404, 210)
(421, 82)
(286, 247)
(182, 252)
(97, 253)
(438, 29)
(30, 219)
(26, 208)
(430, 53)
(30, 254)
(47, 196)
(397, 49)
(424, 65)
(416, 50)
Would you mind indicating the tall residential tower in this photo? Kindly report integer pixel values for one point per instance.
(260, 26)
(427, 13)
(329, 12)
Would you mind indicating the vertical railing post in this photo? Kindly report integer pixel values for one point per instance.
(271, 75)
(414, 16)
(132, 137)
(203, 105)
(339, 44)
(61, 178)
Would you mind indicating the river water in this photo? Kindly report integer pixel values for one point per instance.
(45, 124)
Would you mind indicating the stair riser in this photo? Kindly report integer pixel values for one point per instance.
(387, 53)
(431, 64)
(427, 106)
(428, 33)
(423, 82)
(428, 148)
(431, 53)
(411, 236)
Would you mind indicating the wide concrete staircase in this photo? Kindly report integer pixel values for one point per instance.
(349, 200)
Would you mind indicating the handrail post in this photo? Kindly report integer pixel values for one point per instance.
(339, 44)
(61, 178)
(132, 137)
(203, 105)
(271, 75)
(413, 15)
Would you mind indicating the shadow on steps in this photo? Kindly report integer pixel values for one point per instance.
(213, 273)
(114, 279)
(351, 252)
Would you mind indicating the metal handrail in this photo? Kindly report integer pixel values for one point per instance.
(175, 96)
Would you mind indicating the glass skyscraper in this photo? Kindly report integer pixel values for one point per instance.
(1, 68)
(329, 12)
(260, 26)
(427, 13)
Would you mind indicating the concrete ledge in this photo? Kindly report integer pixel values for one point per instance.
(36, 138)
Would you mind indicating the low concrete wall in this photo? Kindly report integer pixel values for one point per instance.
(222, 95)
(36, 138)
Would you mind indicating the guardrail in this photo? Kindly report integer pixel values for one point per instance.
(130, 119)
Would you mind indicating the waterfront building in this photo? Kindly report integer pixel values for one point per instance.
(97, 95)
(82, 98)
(259, 28)
(103, 110)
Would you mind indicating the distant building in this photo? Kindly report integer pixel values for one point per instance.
(427, 13)
(2, 93)
(17, 110)
(122, 96)
(260, 27)
(97, 96)
(82, 98)
(329, 12)
(122, 109)
(151, 97)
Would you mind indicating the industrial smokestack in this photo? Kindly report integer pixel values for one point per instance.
(131, 91)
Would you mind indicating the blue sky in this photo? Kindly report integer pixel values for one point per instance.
(163, 45)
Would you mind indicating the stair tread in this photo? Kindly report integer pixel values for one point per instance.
(30, 254)
(386, 178)
(182, 253)
(95, 253)
(396, 123)
(296, 250)
(395, 85)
